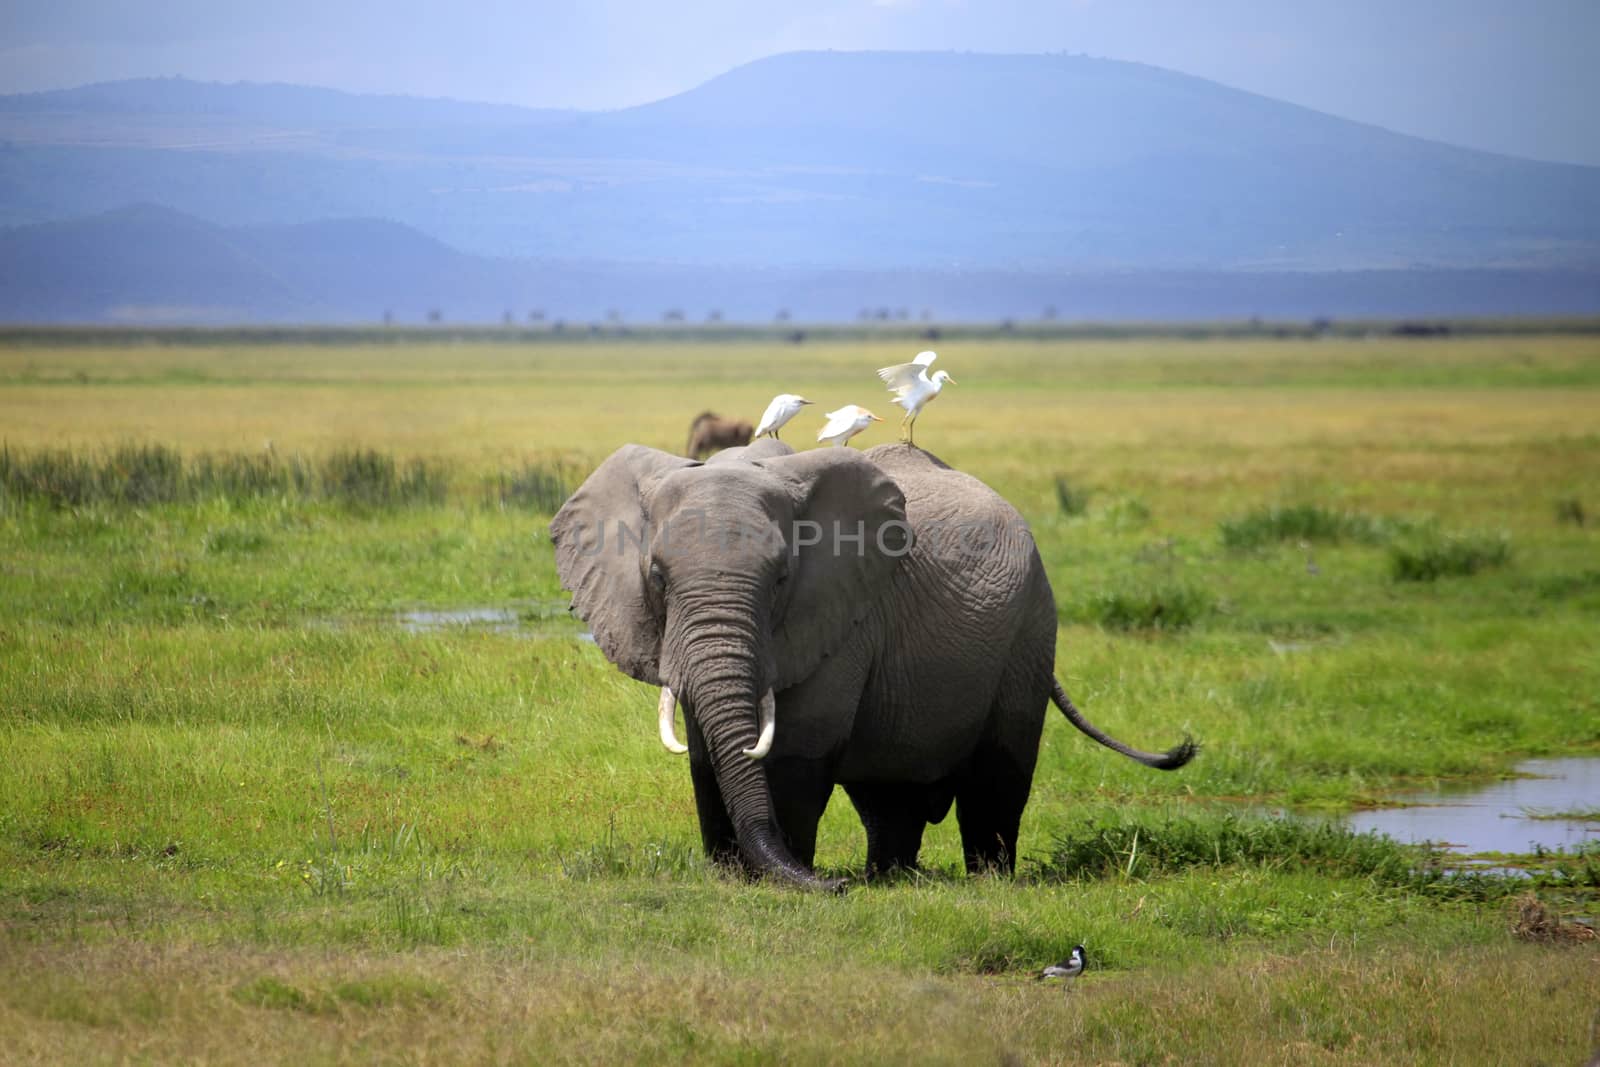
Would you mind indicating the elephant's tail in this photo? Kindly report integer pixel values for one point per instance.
(1170, 760)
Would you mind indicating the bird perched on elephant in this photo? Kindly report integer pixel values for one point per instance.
(871, 619)
(913, 389)
(710, 432)
(782, 408)
(845, 424)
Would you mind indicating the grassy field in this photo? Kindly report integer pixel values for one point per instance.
(246, 812)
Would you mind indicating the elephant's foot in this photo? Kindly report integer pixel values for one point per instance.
(893, 875)
(989, 819)
(895, 817)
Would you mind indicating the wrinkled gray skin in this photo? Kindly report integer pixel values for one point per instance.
(915, 679)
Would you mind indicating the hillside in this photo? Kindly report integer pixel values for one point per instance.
(864, 161)
(280, 104)
(149, 264)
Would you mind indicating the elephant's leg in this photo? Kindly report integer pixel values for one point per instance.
(800, 792)
(895, 816)
(717, 834)
(989, 810)
(994, 788)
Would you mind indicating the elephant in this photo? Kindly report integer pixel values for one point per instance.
(875, 620)
(710, 432)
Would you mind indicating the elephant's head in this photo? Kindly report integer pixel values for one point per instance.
(727, 581)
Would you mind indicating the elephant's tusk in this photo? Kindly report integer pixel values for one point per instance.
(769, 726)
(664, 712)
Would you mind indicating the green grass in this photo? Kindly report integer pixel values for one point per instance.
(1303, 522)
(1070, 499)
(141, 475)
(1147, 607)
(1574, 815)
(246, 814)
(1451, 557)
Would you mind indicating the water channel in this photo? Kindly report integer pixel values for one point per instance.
(1514, 815)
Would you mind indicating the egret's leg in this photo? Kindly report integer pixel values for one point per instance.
(911, 429)
(905, 427)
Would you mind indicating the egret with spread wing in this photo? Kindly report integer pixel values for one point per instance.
(784, 407)
(846, 423)
(912, 388)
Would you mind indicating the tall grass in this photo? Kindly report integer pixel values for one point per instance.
(142, 475)
(1145, 607)
(1304, 522)
(540, 486)
(372, 478)
(1124, 844)
(1451, 557)
(1071, 500)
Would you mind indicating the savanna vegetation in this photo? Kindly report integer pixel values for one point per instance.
(303, 757)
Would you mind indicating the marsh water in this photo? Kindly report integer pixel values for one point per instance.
(1515, 815)
(427, 620)
(529, 618)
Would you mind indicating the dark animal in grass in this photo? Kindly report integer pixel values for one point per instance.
(710, 432)
(871, 619)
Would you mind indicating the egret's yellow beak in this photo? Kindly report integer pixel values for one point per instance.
(951, 380)
(873, 417)
(803, 400)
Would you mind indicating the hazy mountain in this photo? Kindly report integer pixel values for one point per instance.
(267, 104)
(147, 264)
(869, 162)
(151, 264)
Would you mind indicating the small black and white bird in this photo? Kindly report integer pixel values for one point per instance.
(1068, 968)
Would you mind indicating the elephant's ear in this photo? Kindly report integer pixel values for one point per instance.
(835, 580)
(600, 537)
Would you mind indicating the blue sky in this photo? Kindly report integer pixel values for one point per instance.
(1516, 77)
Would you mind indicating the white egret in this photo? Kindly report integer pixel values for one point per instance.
(784, 407)
(911, 388)
(846, 423)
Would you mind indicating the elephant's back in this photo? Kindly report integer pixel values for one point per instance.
(969, 618)
(970, 542)
(963, 528)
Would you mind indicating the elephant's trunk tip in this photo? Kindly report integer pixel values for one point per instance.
(767, 858)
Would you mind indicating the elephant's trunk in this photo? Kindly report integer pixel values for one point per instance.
(721, 691)
(667, 706)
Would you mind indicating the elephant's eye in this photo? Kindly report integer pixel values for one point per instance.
(658, 577)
